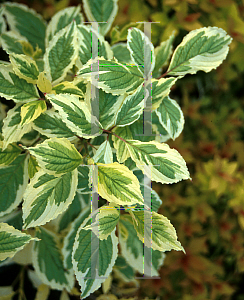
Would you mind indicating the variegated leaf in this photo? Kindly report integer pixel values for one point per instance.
(14, 88)
(106, 221)
(202, 49)
(160, 89)
(12, 240)
(117, 184)
(112, 77)
(132, 249)
(61, 53)
(9, 154)
(25, 67)
(171, 117)
(50, 123)
(19, 18)
(159, 233)
(104, 153)
(85, 35)
(141, 51)
(101, 11)
(47, 196)
(12, 128)
(84, 256)
(11, 42)
(69, 239)
(62, 19)
(75, 114)
(162, 55)
(56, 156)
(48, 261)
(32, 110)
(158, 161)
(14, 179)
(132, 107)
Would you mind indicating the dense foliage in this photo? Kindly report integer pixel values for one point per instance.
(193, 112)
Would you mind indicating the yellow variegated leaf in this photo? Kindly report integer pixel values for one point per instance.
(12, 128)
(47, 196)
(25, 67)
(106, 220)
(116, 183)
(66, 87)
(32, 110)
(43, 83)
(159, 235)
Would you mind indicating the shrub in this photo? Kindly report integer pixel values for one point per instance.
(76, 127)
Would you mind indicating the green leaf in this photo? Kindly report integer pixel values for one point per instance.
(160, 233)
(202, 49)
(171, 117)
(141, 51)
(162, 55)
(56, 156)
(112, 76)
(75, 114)
(155, 199)
(117, 184)
(106, 221)
(13, 219)
(108, 106)
(14, 88)
(32, 110)
(158, 161)
(71, 213)
(12, 240)
(32, 166)
(25, 67)
(19, 18)
(160, 89)
(104, 153)
(61, 53)
(137, 131)
(11, 42)
(101, 11)
(67, 87)
(121, 53)
(51, 124)
(83, 179)
(123, 270)
(85, 34)
(62, 19)
(13, 179)
(48, 261)
(131, 107)
(48, 196)
(9, 154)
(132, 249)
(69, 239)
(103, 258)
(122, 152)
(161, 134)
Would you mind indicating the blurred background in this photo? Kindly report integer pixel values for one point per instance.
(207, 212)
